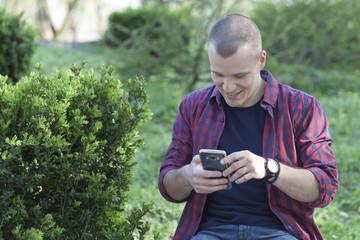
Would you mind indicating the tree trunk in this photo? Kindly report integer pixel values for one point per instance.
(44, 16)
(68, 18)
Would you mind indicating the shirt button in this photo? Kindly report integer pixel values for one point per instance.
(221, 120)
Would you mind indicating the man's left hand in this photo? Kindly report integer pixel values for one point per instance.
(243, 166)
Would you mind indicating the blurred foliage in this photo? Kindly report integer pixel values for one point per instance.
(314, 79)
(166, 41)
(155, 35)
(312, 45)
(122, 25)
(16, 45)
(66, 144)
(157, 30)
(304, 40)
(319, 33)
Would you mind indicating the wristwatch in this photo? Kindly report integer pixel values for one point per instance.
(272, 170)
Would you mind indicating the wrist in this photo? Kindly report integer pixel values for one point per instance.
(272, 170)
(176, 184)
(185, 176)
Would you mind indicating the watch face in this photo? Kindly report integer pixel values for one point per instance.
(273, 166)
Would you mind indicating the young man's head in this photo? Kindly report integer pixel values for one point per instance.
(236, 58)
(233, 31)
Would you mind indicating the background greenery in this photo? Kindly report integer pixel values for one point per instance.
(311, 45)
(16, 45)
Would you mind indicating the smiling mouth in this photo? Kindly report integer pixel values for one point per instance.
(233, 94)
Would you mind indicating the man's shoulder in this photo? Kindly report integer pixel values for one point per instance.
(298, 102)
(281, 87)
(293, 93)
(279, 94)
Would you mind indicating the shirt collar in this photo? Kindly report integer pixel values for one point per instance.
(270, 95)
(215, 96)
(271, 90)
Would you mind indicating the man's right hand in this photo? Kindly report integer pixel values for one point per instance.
(204, 181)
(180, 182)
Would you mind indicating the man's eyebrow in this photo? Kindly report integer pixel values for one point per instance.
(241, 73)
(236, 74)
(215, 71)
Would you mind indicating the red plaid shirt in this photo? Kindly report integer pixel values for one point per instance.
(296, 133)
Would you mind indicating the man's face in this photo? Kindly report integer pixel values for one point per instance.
(238, 76)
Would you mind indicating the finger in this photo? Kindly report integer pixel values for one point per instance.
(196, 160)
(196, 163)
(209, 182)
(206, 174)
(239, 174)
(234, 167)
(208, 190)
(235, 156)
(244, 178)
(210, 185)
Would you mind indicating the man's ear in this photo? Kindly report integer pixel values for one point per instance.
(262, 59)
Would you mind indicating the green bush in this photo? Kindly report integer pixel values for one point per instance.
(153, 22)
(66, 143)
(320, 33)
(155, 34)
(122, 24)
(16, 45)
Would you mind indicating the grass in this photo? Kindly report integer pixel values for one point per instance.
(340, 220)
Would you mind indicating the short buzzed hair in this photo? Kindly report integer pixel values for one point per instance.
(233, 31)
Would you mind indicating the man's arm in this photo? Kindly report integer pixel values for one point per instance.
(299, 183)
(176, 184)
(179, 183)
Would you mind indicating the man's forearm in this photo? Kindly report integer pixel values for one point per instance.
(298, 183)
(176, 183)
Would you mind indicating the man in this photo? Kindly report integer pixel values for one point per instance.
(277, 140)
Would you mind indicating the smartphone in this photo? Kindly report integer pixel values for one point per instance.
(210, 160)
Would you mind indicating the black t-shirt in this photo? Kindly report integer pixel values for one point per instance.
(246, 203)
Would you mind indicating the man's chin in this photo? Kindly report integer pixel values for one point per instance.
(234, 103)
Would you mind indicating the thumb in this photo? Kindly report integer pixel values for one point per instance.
(196, 160)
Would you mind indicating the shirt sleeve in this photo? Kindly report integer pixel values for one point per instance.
(313, 147)
(179, 152)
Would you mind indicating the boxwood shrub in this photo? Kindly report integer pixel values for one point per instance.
(66, 144)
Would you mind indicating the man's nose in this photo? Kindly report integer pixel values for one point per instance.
(229, 85)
